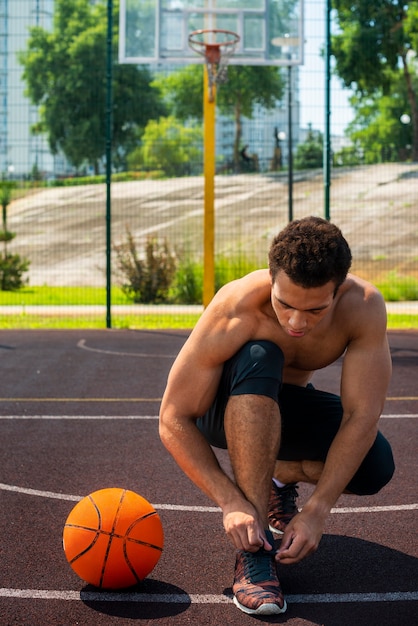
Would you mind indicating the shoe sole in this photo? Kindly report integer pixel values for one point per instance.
(274, 530)
(264, 609)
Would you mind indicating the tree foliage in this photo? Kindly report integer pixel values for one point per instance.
(377, 41)
(170, 146)
(246, 88)
(309, 154)
(377, 131)
(65, 74)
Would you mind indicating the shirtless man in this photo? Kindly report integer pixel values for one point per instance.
(241, 382)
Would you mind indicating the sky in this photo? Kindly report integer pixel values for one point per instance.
(312, 77)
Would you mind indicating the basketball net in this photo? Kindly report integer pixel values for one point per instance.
(215, 53)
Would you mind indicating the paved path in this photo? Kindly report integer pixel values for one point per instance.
(63, 230)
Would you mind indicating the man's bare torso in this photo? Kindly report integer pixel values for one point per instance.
(247, 303)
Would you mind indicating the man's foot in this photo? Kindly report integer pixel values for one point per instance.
(282, 506)
(256, 586)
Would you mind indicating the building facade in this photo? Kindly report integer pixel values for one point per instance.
(20, 150)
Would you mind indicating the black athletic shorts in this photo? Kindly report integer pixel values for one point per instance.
(310, 418)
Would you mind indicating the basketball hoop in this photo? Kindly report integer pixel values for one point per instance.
(216, 46)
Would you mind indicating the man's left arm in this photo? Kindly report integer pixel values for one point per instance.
(364, 381)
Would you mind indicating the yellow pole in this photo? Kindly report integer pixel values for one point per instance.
(209, 101)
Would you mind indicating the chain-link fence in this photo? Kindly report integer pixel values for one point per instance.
(157, 191)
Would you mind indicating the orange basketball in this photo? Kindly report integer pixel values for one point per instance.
(113, 538)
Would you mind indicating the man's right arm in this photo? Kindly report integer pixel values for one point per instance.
(191, 388)
(188, 395)
(194, 455)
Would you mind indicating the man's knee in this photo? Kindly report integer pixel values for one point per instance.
(257, 369)
(376, 470)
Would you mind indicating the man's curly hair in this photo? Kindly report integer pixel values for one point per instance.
(312, 252)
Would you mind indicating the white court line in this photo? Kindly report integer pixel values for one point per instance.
(82, 344)
(184, 598)
(399, 416)
(171, 507)
(79, 417)
(92, 596)
(143, 417)
(200, 509)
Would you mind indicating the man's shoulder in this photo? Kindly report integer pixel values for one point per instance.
(251, 291)
(361, 306)
(240, 304)
(359, 293)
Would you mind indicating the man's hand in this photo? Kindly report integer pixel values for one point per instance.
(244, 529)
(301, 538)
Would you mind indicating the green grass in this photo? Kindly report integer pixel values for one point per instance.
(145, 322)
(397, 321)
(396, 288)
(57, 296)
(393, 287)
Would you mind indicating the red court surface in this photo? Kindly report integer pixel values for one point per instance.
(78, 412)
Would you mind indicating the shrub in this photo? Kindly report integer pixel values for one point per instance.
(188, 282)
(146, 279)
(310, 153)
(229, 268)
(12, 268)
(6, 235)
(395, 287)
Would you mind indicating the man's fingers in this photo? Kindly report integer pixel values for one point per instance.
(295, 550)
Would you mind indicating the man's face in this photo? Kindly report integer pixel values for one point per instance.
(298, 309)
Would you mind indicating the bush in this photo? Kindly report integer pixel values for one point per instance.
(158, 276)
(309, 154)
(6, 235)
(147, 279)
(348, 156)
(188, 283)
(12, 267)
(230, 268)
(395, 287)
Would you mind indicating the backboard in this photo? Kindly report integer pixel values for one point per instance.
(156, 31)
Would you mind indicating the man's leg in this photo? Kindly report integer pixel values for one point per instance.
(310, 420)
(245, 418)
(252, 429)
(298, 471)
(282, 506)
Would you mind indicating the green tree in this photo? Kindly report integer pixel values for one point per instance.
(377, 131)
(246, 87)
(65, 74)
(12, 266)
(170, 146)
(309, 154)
(375, 39)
